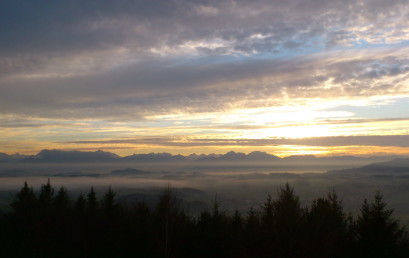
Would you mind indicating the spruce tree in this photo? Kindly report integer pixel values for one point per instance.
(379, 234)
(81, 203)
(108, 202)
(92, 202)
(46, 196)
(25, 202)
(288, 222)
(61, 200)
(327, 227)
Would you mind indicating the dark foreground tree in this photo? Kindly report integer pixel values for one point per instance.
(288, 216)
(379, 234)
(25, 203)
(61, 201)
(46, 196)
(327, 228)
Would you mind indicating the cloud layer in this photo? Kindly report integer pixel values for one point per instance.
(75, 64)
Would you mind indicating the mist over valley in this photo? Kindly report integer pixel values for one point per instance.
(239, 180)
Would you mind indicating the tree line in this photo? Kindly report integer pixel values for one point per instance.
(52, 224)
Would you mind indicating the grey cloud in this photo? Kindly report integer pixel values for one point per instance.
(272, 125)
(27, 122)
(63, 42)
(37, 125)
(376, 140)
(22, 125)
(72, 25)
(49, 26)
(156, 86)
(373, 140)
(144, 86)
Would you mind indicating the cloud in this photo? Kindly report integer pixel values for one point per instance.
(372, 140)
(143, 25)
(16, 122)
(161, 86)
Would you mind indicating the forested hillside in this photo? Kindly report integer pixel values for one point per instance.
(50, 223)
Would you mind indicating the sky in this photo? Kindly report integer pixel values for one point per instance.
(288, 77)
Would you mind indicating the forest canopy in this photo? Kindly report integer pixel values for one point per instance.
(51, 223)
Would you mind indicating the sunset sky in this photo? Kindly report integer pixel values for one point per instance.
(204, 76)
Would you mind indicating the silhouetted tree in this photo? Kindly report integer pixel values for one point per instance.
(20, 225)
(213, 231)
(112, 230)
(61, 227)
(379, 234)
(267, 212)
(92, 202)
(237, 223)
(61, 200)
(81, 203)
(143, 234)
(46, 196)
(327, 228)
(236, 235)
(252, 236)
(167, 212)
(25, 203)
(108, 202)
(268, 227)
(252, 221)
(288, 223)
(91, 226)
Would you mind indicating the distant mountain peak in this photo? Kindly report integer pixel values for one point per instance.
(262, 155)
(54, 155)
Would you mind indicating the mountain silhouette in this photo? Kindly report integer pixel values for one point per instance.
(72, 156)
(241, 157)
(257, 158)
(395, 166)
(12, 157)
(154, 157)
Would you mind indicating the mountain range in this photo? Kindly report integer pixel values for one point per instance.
(254, 158)
(393, 167)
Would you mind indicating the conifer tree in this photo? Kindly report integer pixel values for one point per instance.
(327, 227)
(108, 202)
(80, 203)
(379, 234)
(61, 200)
(251, 233)
(288, 219)
(267, 234)
(167, 212)
(46, 196)
(25, 203)
(237, 222)
(92, 202)
(267, 211)
(218, 215)
(287, 208)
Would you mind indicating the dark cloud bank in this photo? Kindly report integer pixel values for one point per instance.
(127, 59)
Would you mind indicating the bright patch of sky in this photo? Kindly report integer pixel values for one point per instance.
(395, 108)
